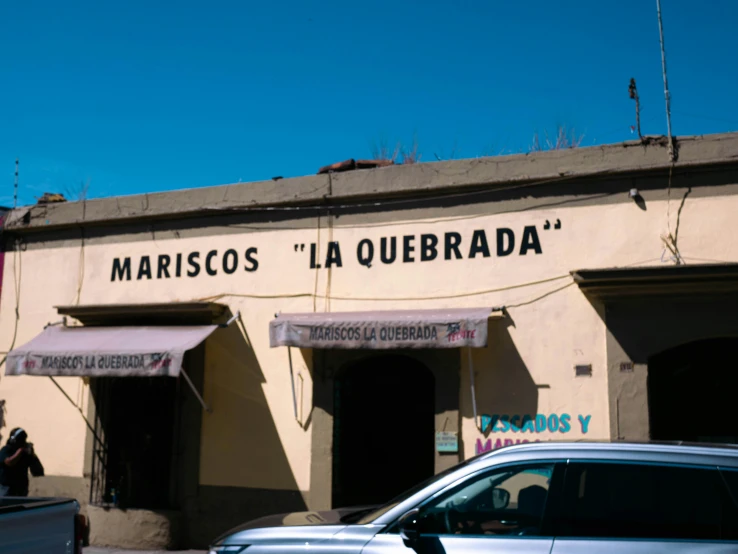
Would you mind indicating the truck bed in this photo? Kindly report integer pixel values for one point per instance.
(37, 525)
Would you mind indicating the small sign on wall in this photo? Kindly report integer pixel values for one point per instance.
(447, 442)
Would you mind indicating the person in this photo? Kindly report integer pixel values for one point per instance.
(17, 457)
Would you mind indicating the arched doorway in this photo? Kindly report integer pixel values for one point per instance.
(383, 429)
(691, 392)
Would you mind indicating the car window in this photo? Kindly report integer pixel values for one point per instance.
(508, 501)
(375, 514)
(634, 501)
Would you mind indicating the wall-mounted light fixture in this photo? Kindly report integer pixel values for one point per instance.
(635, 195)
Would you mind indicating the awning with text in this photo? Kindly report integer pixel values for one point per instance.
(147, 351)
(380, 330)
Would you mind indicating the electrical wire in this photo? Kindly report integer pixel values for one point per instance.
(564, 176)
(317, 273)
(375, 299)
(17, 269)
(404, 201)
(81, 268)
(537, 298)
(329, 276)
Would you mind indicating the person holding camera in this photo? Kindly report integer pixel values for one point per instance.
(17, 457)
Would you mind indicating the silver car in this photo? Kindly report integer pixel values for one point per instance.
(537, 498)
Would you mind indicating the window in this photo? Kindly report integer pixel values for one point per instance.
(136, 420)
(505, 501)
(646, 502)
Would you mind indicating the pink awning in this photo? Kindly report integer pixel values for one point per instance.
(443, 328)
(154, 351)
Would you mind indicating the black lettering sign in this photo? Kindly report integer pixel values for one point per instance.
(144, 268)
(505, 242)
(121, 361)
(428, 248)
(314, 256)
(62, 362)
(166, 266)
(384, 255)
(252, 264)
(479, 244)
(209, 263)
(408, 248)
(365, 252)
(452, 242)
(163, 266)
(530, 241)
(121, 270)
(230, 261)
(397, 333)
(333, 257)
(194, 270)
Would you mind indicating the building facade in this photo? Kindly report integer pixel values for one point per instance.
(189, 360)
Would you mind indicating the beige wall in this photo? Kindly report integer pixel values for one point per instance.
(527, 368)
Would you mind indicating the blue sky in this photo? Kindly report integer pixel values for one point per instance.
(134, 96)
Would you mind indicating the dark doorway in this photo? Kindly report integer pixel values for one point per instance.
(136, 419)
(383, 429)
(691, 392)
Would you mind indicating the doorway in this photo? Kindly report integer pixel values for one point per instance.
(136, 418)
(691, 392)
(383, 429)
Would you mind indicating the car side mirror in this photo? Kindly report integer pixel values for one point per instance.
(500, 499)
(409, 527)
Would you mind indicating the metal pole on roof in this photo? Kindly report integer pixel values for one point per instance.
(667, 96)
(15, 185)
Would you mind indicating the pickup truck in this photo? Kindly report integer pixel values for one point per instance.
(41, 526)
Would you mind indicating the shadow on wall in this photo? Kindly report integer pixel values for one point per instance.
(638, 329)
(644, 328)
(505, 390)
(244, 470)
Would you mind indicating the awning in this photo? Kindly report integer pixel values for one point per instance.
(154, 313)
(686, 281)
(149, 351)
(445, 328)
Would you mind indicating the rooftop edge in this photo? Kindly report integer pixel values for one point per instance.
(420, 180)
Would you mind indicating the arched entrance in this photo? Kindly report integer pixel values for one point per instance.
(383, 429)
(692, 390)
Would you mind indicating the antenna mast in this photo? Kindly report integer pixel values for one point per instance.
(667, 96)
(15, 186)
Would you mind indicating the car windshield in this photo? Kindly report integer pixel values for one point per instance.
(374, 514)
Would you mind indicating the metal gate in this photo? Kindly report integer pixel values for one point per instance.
(100, 488)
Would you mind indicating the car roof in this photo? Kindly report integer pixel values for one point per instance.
(615, 451)
(679, 451)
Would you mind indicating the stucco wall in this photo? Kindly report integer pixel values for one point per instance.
(528, 367)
